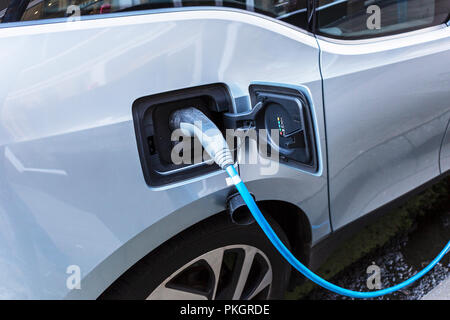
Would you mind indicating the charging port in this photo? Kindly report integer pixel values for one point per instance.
(151, 116)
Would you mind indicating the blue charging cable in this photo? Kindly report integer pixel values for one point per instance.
(193, 122)
(265, 226)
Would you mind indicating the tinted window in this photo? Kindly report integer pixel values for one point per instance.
(291, 11)
(3, 5)
(359, 19)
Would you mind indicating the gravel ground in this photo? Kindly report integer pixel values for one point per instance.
(399, 259)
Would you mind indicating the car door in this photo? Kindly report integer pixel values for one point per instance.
(386, 81)
(73, 194)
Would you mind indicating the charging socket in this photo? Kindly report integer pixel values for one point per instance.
(151, 115)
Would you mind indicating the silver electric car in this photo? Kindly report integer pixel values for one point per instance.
(92, 204)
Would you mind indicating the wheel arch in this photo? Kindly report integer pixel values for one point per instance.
(295, 225)
(292, 220)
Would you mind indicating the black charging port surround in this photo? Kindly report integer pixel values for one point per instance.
(151, 116)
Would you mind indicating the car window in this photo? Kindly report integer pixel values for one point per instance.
(3, 5)
(291, 11)
(360, 19)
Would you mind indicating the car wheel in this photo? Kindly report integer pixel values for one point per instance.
(212, 260)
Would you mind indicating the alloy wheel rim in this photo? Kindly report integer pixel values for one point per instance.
(230, 272)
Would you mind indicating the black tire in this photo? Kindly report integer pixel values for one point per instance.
(216, 232)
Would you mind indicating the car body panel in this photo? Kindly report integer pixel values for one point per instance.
(72, 190)
(445, 152)
(383, 141)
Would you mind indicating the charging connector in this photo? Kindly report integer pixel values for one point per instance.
(193, 123)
